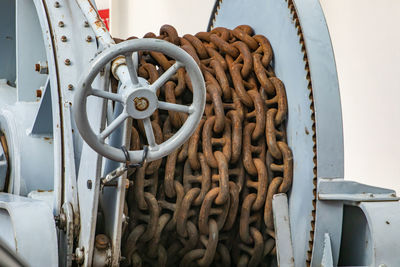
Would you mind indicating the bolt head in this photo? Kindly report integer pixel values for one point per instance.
(63, 38)
(141, 103)
(56, 4)
(70, 87)
(61, 24)
(88, 38)
(37, 67)
(67, 62)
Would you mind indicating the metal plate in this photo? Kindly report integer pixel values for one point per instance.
(27, 227)
(314, 124)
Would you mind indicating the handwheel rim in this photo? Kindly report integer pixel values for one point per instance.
(165, 148)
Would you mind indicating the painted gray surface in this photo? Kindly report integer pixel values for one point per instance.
(31, 158)
(7, 40)
(383, 222)
(31, 50)
(34, 235)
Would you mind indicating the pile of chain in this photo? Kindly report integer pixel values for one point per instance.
(210, 202)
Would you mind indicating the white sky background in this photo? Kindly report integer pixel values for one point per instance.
(366, 40)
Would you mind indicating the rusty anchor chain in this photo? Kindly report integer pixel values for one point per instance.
(210, 201)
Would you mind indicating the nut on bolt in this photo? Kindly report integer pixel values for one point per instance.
(88, 38)
(67, 62)
(102, 241)
(61, 24)
(63, 38)
(42, 67)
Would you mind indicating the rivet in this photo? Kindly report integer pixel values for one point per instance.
(63, 38)
(89, 184)
(56, 4)
(88, 38)
(86, 24)
(61, 24)
(67, 62)
(70, 87)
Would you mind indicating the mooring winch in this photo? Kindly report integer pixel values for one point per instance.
(221, 147)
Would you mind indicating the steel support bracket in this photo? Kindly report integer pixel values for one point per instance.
(349, 191)
(332, 195)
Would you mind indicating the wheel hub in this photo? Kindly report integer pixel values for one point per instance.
(141, 103)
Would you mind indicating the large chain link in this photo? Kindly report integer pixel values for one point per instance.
(210, 202)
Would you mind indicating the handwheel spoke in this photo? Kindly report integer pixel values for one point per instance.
(132, 70)
(148, 128)
(166, 76)
(106, 95)
(174, 107)
(113, 125)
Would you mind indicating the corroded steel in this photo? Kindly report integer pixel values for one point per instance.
(210, 201)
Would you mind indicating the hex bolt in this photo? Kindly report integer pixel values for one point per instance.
(102, 241)
(63, 38)
(86, 24)
(88, 38)
(61, 24)
(89, 184)
(70, 87)
(42, 67)
(56, 4)
(67, 62)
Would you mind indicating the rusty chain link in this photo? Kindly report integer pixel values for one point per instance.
(210, 202)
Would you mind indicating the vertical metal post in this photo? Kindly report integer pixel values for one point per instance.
(283, 238)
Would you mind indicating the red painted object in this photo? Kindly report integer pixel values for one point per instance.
(105, 16)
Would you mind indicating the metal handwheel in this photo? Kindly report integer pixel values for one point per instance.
(139, 100)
